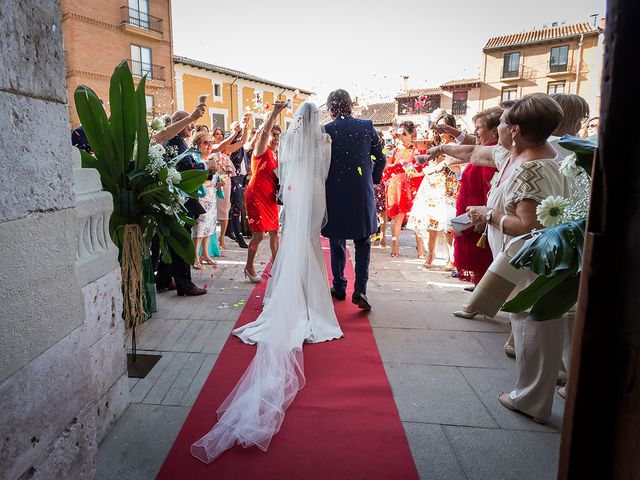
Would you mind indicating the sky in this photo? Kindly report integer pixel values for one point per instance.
(364, 47)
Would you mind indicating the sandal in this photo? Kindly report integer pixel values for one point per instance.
(208, 261)
(505, 401)
(198, 266)
(429, 263)
(509, 350)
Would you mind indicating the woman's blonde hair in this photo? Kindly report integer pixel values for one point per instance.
(575, 110)
(537, 114)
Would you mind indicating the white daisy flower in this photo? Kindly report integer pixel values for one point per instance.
(551, 211)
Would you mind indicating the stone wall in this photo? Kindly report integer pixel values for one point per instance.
(62, 355)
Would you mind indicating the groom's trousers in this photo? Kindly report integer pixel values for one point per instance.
(339, 260)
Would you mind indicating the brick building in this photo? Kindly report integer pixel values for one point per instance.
(230, 93)
(99, 34)
(560, 59)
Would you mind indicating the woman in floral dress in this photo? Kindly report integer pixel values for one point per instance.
(204, 232)
(435, 202)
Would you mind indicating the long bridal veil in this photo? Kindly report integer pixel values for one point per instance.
(254, 410)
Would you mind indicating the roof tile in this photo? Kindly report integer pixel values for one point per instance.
(234, 73)
(542, 35)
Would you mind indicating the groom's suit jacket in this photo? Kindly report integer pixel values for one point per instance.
(357, 163)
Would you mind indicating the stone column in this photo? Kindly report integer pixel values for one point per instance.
(62, 355)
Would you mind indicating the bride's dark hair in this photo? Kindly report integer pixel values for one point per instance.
(339, 103)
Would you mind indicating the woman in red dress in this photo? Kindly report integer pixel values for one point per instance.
(402, 177)
(260, 194)
(470, 260)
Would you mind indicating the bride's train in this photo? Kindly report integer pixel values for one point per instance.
(298, 306)
(253, 412)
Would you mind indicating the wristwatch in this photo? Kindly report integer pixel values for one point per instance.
(488, 216)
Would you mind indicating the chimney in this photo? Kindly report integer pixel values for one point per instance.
(405, 83)
(602, 23)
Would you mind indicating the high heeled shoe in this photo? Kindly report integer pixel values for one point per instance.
(252, 278)
(468, 315)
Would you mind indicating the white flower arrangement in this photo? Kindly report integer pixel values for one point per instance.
(569, 166)
(557, 209)
(157, 124)
(173, 176)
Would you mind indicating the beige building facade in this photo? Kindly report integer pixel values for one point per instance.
(560, 59)
(231, 93)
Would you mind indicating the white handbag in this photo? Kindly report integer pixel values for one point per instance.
(500, 280)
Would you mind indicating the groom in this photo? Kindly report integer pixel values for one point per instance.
(350, 202)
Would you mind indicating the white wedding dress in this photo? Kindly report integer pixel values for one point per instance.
(298, 306)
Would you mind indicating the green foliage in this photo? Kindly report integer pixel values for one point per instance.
(584, 148)
(121, 147)
(555, 255)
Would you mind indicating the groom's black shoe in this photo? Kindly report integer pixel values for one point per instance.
(360, 299)
(338, 295)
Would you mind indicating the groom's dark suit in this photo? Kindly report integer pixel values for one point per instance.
(357, 163)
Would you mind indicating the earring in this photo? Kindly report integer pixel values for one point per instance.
(513, 143)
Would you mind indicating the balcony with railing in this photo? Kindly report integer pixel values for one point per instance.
(558, 70)
(153, 72)
(523, 72)
(459, 108)
(141, 23)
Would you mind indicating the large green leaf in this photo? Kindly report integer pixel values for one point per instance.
(142, 133)
(192, 179)
(553, 249)
(584, 148)
(557, 301)
(108, 182)
(122, 103)
(181, 242)
(96, 127)
(528, 296)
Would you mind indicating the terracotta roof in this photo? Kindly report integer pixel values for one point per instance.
(540, 36)
(380, 113)
(420, 91)
(234, 73)
(465, 82)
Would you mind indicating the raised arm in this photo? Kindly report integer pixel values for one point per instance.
(476, 154)
(245, 134)
(263, 137)
(251, 143)
(175, 128)
(222, 146)
(460, 136)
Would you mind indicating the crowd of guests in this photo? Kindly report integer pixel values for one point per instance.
(498, 176)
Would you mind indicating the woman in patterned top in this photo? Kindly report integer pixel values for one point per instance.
(528, 172)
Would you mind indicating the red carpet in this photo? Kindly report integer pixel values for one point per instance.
(343, 424)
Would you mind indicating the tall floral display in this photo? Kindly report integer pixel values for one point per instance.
(148, 192)
(555, 252)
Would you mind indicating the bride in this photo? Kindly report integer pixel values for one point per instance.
(298, 306)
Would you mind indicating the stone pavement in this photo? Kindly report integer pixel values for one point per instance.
(445, 372)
